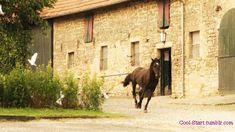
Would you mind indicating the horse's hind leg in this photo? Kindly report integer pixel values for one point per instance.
(141, 96)
(149, 94)
(134, 93)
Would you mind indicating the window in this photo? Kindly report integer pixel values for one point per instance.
(104, 58)
(88, 29)
(164, 14)
(135, 53)
(195, 44)
(71, 60)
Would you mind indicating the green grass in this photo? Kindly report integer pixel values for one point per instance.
(40, 113)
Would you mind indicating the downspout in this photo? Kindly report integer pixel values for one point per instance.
(182, 47)
(52, 44)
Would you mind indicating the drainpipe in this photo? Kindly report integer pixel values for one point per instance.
(182, 46)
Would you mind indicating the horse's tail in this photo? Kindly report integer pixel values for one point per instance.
(127, 80)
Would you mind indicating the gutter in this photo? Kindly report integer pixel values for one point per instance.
(182, 46)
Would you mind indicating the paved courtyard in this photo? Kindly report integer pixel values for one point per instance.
(164, 114)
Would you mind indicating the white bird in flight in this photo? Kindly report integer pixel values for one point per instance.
(33, 59)
(1, 12)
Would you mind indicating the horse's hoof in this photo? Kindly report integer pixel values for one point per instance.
(145, 111)
(136, 106)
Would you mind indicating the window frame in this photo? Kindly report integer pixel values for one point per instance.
(195, 42)
(104, 58)
(71, 57)
(135, 55)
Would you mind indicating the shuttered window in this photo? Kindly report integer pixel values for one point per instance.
(104, 58)
(88, 26)
(135, 53)
(164, 14)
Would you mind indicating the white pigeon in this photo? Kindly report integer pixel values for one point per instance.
(33, 59)
(59, 101)
(1, 12)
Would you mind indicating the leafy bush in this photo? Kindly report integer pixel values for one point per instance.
(27, 88)
(43, 87)
(1, 89)
(15, 92)
(70, 91)
(91, 95)
(40, 88)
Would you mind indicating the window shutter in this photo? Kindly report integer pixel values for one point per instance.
(167, 14)
(88, 26)
(164, 14)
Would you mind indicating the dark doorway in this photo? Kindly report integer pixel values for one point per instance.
(165, 88)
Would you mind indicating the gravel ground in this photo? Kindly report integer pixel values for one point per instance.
(162, 116)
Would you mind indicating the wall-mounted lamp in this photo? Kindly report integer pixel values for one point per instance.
(218, 8)
(1, 12)
(163, 36)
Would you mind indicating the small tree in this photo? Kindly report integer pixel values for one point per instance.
(15, 30)
(91, 95)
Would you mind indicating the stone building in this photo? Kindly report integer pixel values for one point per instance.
(113, 37)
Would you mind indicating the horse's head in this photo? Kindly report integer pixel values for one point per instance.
(155, 66)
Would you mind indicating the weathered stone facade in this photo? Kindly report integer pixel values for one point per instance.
(120, 25)
(115, 27)
(200, 74)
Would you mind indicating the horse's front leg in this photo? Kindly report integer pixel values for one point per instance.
(134, 93)
(149, 94)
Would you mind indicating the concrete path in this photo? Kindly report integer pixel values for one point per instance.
(164, 114)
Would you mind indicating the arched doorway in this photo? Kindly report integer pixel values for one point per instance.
(227, 53)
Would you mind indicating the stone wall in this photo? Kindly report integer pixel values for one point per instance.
(116, 27)
(119, 25)
(201, 74)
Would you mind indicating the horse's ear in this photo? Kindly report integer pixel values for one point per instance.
(151, 58)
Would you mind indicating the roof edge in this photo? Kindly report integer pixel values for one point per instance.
(91, 7)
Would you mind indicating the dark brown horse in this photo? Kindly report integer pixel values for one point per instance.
(147, 79)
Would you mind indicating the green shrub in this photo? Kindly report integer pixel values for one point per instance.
(43, 87)
(15, 92)
(91, 95)
(70, 91)
(40, 88)
(1, 89)
(27, 88)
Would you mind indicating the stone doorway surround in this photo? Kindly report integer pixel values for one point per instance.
(160, 47)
